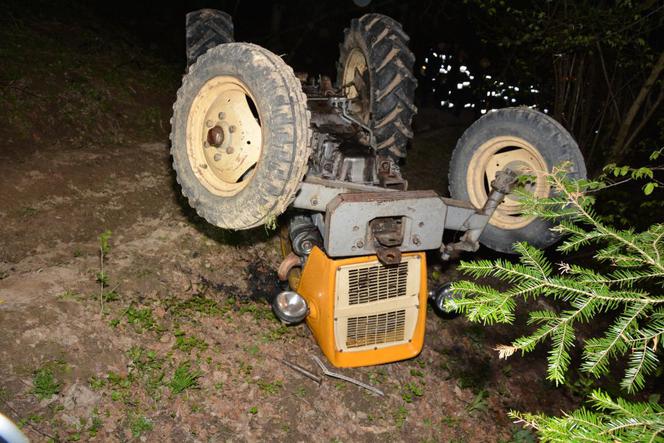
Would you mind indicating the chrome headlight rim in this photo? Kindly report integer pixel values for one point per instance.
(290, 307)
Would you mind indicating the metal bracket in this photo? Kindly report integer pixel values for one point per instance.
(348, 222)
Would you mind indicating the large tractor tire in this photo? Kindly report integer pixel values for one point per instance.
(240, 136)
(375, 71)
(526, 141)
(205, 29)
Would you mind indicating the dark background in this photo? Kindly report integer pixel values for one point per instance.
(306, 33)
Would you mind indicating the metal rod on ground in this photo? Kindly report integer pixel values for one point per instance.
(302, 371)
(346, 378)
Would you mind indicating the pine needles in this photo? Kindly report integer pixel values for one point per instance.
(629, 284)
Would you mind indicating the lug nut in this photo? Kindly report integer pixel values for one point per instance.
(230, 150)
(231, 129)
(359, 244)
(217, 157)
(208, 123)
(221, 116)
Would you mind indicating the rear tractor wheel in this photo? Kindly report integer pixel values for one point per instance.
(375, 72)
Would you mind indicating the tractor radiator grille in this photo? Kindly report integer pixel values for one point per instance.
(377, 306)
(376, 329)
(366, 285)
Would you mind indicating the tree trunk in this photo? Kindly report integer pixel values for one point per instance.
(620, 148)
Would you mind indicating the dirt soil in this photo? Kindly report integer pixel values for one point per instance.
(180, 344)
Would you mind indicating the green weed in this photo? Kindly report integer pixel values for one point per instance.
(410, 391)
(141, 319)
(187, 344)
(96, 383)
(479, 403)
(400, 416)
(184, 378)
(45, 384)
(140, 424)
(270, 388)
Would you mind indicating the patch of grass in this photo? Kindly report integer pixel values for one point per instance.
(109, 296)
(184, 378)
(275, 334)
(253, 350)
(120, 387)
(140, 424)
(253, 410)
(95, 424)
(271, 388)
(448, 420)
(45, 384)
(411, 391)
(32, 418)
(378, 377)
(28, 211)
(141, 319)
(259, 312)
(416, 373)
(301, 392)
(197, 303)
(96, 383)
(246, 369)
(479, 403)
(69, 295)
(400, 416)
(146, 367)
(187, 344)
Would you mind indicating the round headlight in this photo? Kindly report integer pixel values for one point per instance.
(290, 307)
(439, 296)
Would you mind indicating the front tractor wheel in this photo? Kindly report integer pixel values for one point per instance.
(527, 142)
(240, 135)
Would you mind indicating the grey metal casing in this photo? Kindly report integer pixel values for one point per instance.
(348, 217)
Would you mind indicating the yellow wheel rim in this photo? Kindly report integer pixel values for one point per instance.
(521, 157)
(355, 84)
(224, 136)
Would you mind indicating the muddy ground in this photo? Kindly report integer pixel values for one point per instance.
(180, 343)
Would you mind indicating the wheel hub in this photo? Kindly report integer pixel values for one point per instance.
(224, 135)
(521, 157)
(215, 136)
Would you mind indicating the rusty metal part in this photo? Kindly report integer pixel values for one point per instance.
(388, 256)
(326, 87)
(389, 175)
(291, 261)
(388, 234)
(501, 186)
(346, 378)
(286, 248)
(215, 136)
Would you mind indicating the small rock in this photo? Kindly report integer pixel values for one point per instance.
(78, 396)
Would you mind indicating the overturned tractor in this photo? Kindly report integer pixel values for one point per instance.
(251, 140)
